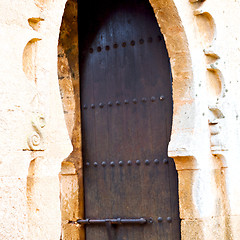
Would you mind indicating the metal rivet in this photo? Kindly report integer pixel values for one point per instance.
(147, 162)
(110, 104)
(153, 99)
(120, 163)
(169, 219)
(134, 100)
(129, 163)
(92, 106)
(124, 44)
(95, 164)
(138, 162)
(101, 105)
(141, 41)
(160, 219)
(165, 161)
(107, 48)
(87, 164)
(132, 43)
(150, 39)
(112, 164)
(161, 98)
(156, 161)
(144, 99)
(104, 164)
(99, 49)
(118, 103)
(85, 106)
(115, 45)
(150, 220)
(91, 50)
(126, 101)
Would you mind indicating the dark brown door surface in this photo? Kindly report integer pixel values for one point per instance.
(126, 105)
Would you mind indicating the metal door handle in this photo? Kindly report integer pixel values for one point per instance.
(113, 221)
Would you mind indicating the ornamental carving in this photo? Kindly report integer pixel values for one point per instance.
(35, 140)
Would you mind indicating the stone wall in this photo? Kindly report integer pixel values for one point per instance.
(34, 138)
(68, 75)
(40, 121)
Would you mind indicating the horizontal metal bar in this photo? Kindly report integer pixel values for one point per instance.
(113, 221)
(137, 221)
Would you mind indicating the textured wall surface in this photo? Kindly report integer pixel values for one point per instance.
(34, 138)
(40, 116)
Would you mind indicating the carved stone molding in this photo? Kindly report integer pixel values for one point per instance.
(35, 140)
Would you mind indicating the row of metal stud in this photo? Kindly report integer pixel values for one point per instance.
(160, 220)
(169, 219)
(129, 162)
(124, 44)
(126, 101)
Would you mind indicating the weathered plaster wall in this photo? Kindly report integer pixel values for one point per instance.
(34, 139)
(202, 39)
(204, 140)
(209, 174)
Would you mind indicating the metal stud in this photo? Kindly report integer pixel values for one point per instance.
(99, 49)
(153, 99)
(134, 100)
(120, 163)
(124, 44)
(160, 219)
(91, 50)
(112, 164)
(104, 164)
(115, 45)
(126, 101)
(95, 164)
(129, 163)
(87, 164)
(165, 161)
(150, 220)
(92, 106)
(144, 99)
(118, 103)
(147, 162)
(138, 162)
(169, 219)
(156, 161)
(101, 105)
(132, 43)
(84, 106)
(107, 48)
(110, 103)
(161, 98)
(141, 41)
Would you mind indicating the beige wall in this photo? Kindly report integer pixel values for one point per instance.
(37, 141)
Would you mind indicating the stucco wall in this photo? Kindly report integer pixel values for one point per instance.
(34, 138)
(202, 39)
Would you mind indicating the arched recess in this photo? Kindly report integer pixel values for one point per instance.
(177, 45)
(68, 75)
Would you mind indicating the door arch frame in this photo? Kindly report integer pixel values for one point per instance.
(172, 28)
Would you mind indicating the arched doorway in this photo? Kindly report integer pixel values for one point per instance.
(126, 106)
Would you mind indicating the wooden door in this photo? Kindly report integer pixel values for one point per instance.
(126, 106)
